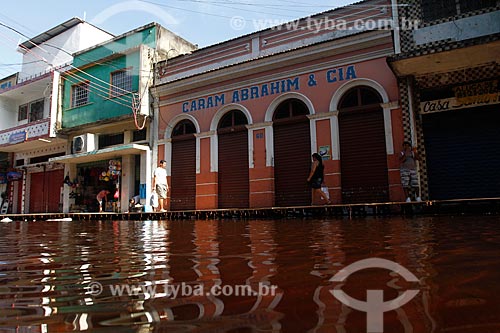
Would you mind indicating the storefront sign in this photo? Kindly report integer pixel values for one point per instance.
(268, 89)
(476, 89)
(454, 103)
(8, 82)
(18, 137)
(14, 175)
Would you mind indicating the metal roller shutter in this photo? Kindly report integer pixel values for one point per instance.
(183, 181)
(233, 175)
(292, 163)
(463, 153)
(363, 156)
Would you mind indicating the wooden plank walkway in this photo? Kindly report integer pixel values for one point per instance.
(433, 207)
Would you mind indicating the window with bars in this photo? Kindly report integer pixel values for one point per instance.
(438, 9)
(23, 112)
(121, 82)
(36, 110)
(80, 94)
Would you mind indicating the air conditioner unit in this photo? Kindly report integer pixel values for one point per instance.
(83, 143)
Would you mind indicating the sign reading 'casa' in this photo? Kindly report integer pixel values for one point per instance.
(267, 89)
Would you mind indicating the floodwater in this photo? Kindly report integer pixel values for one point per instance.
(190, 276)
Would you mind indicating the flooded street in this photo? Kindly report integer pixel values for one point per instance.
(248, 276)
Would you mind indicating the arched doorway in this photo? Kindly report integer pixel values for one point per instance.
(183, 165)
(363, 155)
(292, 153)
(233, 175)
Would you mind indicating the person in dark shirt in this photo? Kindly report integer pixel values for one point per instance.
(316, 178)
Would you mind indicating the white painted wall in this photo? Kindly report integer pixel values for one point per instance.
(58, 50)
(8, 118)
(91, 36)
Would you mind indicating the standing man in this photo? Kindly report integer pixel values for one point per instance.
(160, 184)
(408, 158)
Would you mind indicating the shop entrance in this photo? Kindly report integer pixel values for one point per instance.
(363, 155)
(45, 191)
(463, 153)
(183, 194)
(91, 179)
(233, 175)
(292, 154)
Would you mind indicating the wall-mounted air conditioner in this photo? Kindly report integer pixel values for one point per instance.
(83, 143)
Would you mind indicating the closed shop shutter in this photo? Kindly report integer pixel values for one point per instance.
(37, 202)
(292, 163)
(45, 191)
(183, 186)
(363, 156)
(233, 169)
(463, 153)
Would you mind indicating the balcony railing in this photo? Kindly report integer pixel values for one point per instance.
(32, 130)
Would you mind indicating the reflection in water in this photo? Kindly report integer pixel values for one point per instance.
(49, 270)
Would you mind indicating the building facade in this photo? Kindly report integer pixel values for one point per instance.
(28, 117)
(105, 116)
(238, 121)
(448, 73)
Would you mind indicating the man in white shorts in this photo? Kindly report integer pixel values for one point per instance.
(408, 158)
(160, 185)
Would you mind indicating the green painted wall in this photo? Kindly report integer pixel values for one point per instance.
(144, 37)
(100, 106)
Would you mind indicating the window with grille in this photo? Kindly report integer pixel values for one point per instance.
(36, 110)
(23, 112)
(79, 94)
(438, 9)
(121, 82)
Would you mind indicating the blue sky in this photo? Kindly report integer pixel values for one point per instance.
(202, 22)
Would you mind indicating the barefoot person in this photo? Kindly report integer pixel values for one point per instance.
(160, 185)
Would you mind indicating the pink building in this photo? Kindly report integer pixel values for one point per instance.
(238, 121)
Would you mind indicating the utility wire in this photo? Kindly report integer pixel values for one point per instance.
(115, 100)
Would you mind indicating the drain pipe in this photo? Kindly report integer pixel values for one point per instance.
(396, 27)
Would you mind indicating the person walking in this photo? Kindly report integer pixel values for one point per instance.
(408, 159)
(160, 185)
(316, 177)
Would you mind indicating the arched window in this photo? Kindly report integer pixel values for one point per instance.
(233, 120)
(184, 127)
(361, 96)
(290, 108)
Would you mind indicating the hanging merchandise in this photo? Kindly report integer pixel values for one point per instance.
(104, 176)
(114, 169)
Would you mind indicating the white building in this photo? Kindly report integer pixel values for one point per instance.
(29, 116)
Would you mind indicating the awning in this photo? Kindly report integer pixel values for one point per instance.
(102, 154)
(447, 61)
